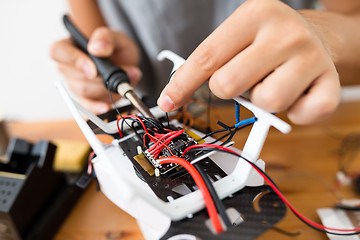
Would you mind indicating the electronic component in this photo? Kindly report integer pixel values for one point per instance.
(173, 195)
(175, 147)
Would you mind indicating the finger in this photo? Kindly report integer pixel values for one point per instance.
(70, 72)
(280, 89)
(133, 72)
(246, 69)
(97, 107)
(95, 89)
(209, 56)
(95, 92)
(106, 43)
(65, 52)
(319, 102)
(86, 89)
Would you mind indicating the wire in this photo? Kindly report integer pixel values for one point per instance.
(117, 111)
(218, 203)
(230, 133)
(166, 114)
(168, 136)
(237, 112)
(239, 125)
(208, 112)
(154, 124)
(245, 121)
(132, 117)
(89, 169)
(118, 128)
(210, 206)
(310, 223)
(287, 233)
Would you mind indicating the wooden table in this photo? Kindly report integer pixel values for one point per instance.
(303, 164)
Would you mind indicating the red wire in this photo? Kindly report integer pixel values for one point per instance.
(210, 206)
(277, 191)
(163, 144)
(170, 135)
(152, 138)
(91, 155)
(118, 128)
(131, 116)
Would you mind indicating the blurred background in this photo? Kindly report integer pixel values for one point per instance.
(27, 74)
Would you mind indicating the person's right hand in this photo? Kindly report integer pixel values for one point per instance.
(81, 73)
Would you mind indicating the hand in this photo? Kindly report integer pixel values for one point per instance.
(81, 72)
(270, 49)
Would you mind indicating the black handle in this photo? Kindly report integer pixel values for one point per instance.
(112, 75)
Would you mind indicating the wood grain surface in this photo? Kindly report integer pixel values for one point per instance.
(303, 163)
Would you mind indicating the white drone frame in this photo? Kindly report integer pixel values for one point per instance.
(125, 189)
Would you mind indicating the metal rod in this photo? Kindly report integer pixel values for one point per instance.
(138, 104)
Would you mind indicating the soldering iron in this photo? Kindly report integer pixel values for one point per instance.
(114, 77)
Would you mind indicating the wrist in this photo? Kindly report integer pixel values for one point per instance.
(339, 36)
(331, 41)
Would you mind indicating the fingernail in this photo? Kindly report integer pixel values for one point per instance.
(99, 47)
(166, 103)
(88, 69)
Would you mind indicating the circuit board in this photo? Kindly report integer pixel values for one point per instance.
(176, 148)
(165, 185)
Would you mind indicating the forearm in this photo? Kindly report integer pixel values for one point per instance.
(340, 34)
(86, 15)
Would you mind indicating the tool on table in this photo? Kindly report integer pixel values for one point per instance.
(114, 77)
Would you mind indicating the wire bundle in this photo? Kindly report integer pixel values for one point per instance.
(161, 137)
(199, 181)
(161, 143)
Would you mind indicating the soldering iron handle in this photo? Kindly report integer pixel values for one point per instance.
(112, 75)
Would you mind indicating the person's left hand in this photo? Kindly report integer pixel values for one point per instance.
(270, 49)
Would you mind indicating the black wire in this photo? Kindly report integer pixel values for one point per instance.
(287, 233)
(218, 203)
(267, 176)
(136, 132)
(152, 123)
(208, 111)
(166, 114)
(116, 109)
(167, 119)
(231, 133)
(212, 133)
(226, 129)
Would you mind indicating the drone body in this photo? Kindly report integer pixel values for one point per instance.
(164, 197)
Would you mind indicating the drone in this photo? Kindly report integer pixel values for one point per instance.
(176, 183)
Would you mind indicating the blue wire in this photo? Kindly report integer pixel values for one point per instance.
(237, 112)
(245, 121)
(237, 116)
